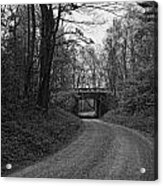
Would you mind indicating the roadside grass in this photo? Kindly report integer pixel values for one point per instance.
(31, 138)
(143, 124)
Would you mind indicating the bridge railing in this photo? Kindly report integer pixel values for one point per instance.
(91, 90)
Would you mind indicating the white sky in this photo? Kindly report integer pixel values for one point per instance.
(95, 32)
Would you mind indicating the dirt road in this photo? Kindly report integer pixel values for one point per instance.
(102, 151)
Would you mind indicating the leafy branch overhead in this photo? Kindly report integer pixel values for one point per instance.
(105, 44)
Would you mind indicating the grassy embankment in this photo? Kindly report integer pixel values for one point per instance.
(31, 137)
(141, 122)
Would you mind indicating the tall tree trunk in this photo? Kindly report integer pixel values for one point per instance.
(94, 74)
(16, 70)
(32, 42)
(124, 60)
(48, 38)
(113, 71)
(31, 47)
(132, 57)
(28, 53)
(73, 78)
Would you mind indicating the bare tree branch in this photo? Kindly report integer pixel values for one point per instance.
(113, 7)
(66, 33)
(75, 41)
(82, 22)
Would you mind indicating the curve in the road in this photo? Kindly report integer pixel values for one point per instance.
(102, 151)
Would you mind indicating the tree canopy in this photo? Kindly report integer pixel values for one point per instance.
(49, 48)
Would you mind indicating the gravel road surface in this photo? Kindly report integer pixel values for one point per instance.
(102, 151)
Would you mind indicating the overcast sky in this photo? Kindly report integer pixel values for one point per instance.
(96, 32)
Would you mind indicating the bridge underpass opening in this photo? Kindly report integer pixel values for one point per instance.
(87, 108)
(93, 103)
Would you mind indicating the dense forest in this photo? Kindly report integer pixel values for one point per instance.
(46, 54)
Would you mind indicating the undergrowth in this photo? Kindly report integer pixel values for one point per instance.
(140, 122)
(31, 137)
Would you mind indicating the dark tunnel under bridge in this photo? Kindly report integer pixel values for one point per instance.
(92, 103)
